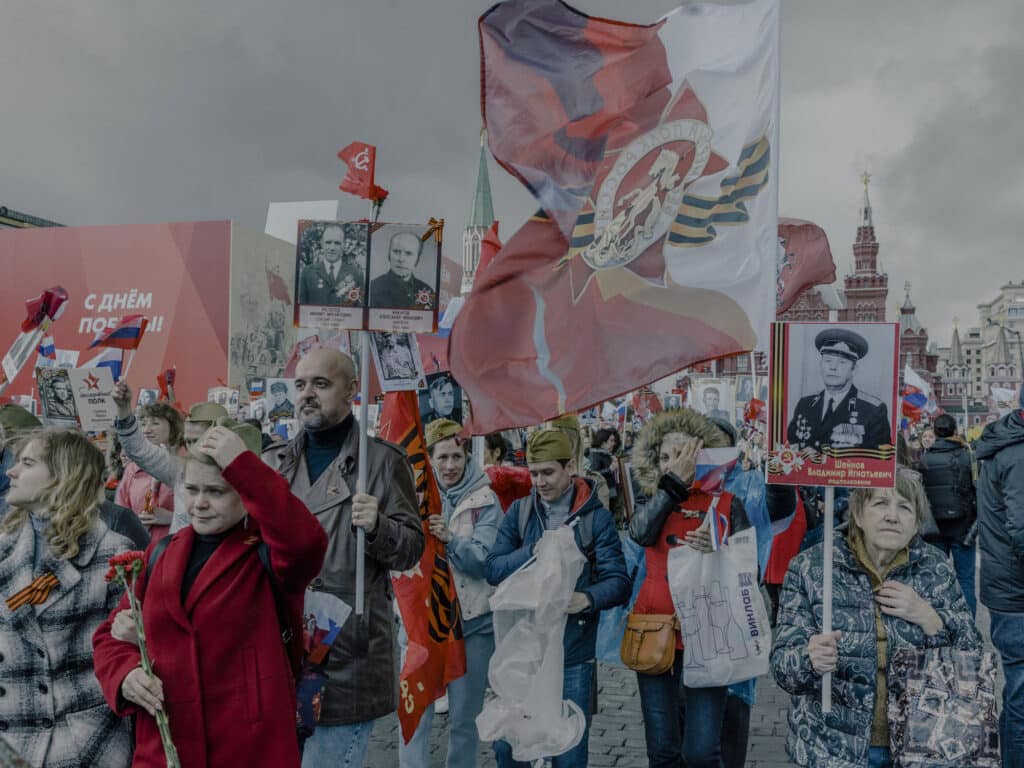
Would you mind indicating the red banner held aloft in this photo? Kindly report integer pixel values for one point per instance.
(436, 653)
(361, 160)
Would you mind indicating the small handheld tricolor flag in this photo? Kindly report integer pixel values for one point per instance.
(719, 525)
(713, 467)
(127, 334)
(108, 358)
(47, 353)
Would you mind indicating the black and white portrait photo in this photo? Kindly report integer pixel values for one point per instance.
(744, 389)
(147, 397)
(398, 361)
(442, 399)
(280, 399)
(332, 262)
(403, 269)
(715, 398)
(56, 395)
(840, 388)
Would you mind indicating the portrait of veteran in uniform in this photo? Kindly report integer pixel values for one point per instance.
(399, 288)
(335, 279)
(840, 415)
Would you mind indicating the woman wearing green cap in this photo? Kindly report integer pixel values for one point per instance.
(468, 526)
(213, 613)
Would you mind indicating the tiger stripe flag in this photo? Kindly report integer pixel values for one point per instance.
(426, 597)
(651, 151)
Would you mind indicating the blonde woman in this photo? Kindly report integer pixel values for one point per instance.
(54, 553)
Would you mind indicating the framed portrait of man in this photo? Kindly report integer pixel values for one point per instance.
(441, 398)
(397, 358)
(832, 410)
(280, 399)
(331, 263)
(147, 397)
(56, 395)
(715, 398)
(405, 273)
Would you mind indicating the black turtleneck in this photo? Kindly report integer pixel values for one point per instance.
(323, 446)
(202, 550)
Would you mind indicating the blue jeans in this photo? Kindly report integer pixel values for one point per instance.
(465, 700)
(577, 686)
(963, 563)
(339, 746)
(1008, 638)
(879, 757)
(681, 722)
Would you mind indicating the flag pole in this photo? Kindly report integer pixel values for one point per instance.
(826, 602)
(753, 375)
(364, 463)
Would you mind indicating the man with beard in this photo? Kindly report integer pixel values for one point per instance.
(321, 465)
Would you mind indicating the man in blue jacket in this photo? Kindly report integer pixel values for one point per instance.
(1001, 541)
(559, 497)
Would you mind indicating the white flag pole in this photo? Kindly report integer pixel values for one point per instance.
(826, 603)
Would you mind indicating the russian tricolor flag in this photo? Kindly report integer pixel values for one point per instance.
(713, 467)
(108, 358)
(47, 353)
(125, 335)
(917, 396)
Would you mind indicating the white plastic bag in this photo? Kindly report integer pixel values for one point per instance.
(726, 635)
(526, 669)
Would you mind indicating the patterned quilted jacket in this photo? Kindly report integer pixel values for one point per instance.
(841, 738)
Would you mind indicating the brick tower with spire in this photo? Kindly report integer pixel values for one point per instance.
(480, 219)
(868, 287)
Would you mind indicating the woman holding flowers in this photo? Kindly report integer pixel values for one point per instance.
(221, 671)
(54, 553)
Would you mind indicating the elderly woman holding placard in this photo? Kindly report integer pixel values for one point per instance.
(891, 591)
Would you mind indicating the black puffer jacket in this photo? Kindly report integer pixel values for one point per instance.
(1001, 513)
(946, 473)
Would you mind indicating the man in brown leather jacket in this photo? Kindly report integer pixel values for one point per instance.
(321, 464)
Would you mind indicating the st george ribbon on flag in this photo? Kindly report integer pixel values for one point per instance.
(651, 151)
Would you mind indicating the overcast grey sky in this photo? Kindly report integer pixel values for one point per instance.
(120, 112)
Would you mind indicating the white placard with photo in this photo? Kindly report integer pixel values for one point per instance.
(397, 357)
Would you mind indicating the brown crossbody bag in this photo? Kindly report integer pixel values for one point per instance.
(649, 642)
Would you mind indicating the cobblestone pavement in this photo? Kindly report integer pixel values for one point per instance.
(617, 734)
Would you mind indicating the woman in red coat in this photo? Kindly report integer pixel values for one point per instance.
(211, 621)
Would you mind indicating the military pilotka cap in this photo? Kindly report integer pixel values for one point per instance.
(842, 342)
(441, 429)
(566, 421)
(207, 412)
(250, 436)
(14, 419)
(548, 445)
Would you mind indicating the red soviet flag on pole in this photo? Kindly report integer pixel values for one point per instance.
(651, 152)
(361, 160)
(426, 597)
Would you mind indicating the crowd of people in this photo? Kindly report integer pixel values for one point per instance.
(238, 530)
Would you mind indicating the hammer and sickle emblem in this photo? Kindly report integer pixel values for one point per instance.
(362, 160)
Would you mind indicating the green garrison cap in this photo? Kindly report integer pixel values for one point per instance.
(441, 429)
(207, 412)
(548, 445)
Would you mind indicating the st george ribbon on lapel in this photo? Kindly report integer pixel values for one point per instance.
(35, 593)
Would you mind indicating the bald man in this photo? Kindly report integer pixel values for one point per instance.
(321, 465)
